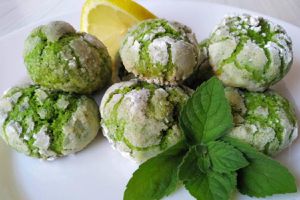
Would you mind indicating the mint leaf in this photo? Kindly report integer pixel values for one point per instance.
(204, 163)
(222, 185)
(194, 162)
(225, 158)
(263, 176)
(212, 186)
(188, 168)
(207, 114)
(199, 187)
(157, 177)
(245, 148)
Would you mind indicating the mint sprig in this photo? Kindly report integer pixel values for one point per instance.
(207, 114)
(210, 165)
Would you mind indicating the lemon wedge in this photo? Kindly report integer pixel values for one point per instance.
(109, 20)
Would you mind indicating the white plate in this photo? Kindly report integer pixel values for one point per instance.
(99, 172)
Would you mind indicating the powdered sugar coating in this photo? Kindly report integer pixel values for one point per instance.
(250, 52)
(160, 51)
(47, 124)
(266, 120)
(140, 119)
(58, 57)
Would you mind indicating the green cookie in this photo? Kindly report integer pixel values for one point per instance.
(141, 119)
(250, 52)
(265, 120)
(160, 51)
(47, 124)
(58, 57)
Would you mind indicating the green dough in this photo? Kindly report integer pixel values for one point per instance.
(141, 119)
(250, 52)
(58, 57)
(266, 120)
(47, 124)
(160, 51)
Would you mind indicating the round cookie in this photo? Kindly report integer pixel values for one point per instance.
(141, 119)
(266, 120)
(160, 51)
(250, 52)
(47, 124)
(58, 57)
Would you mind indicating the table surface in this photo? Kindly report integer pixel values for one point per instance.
(14, 14)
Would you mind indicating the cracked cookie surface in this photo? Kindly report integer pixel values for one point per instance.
(58, 57)
(250, 52)
(47, 124)
(160, 51)
(140, 119)
(265, 120)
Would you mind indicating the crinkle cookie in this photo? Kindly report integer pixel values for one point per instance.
(250, 52)
(141, 119)
(266, 120)
(160, 51)
(58, 57)
(47, 124)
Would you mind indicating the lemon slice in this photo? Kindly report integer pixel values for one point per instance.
(109, 20)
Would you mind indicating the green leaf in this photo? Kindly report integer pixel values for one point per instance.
(204, 163)
(225, 158)
(207, 114)
(199, 187)
(245, 148)
(188, 168)
(263, 176)
(212, 186)
(222, 185)
(194, 162)
(157, 177)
